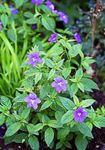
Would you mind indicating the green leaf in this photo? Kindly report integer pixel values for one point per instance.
(86, 62)
(80, 86)
(62, 133)
(20, 138)
(84, 129)
(28, 14)
(67, 103)
(51, 73)
(89, 60)
(45, 9)
(48, 23)
(9, 139)
(28, 84)
(2, 119)
(76, 100)
(31, 21)
(20, 97)
(25, 113)
(11, 35)
(89, 84)
(99, 121)
(5, 102)
(87, 102)
(43, 92)
(66, 72)
(33, 142)
(4, 19)
(60, 63)
(55, 50)
(38, 77)
(12, 129)
(54, 124)
(67, 117)
(75, 50)
(34, 128)
(59, 145)
(81, 142)
(49, 63)
(2, 8)
(49, 136)
(66, 44)
(79, 74)
(31, 72)
(74, 89)
(46, 104)
(18, 3)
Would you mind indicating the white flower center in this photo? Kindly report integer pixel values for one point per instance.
(34, 59)
(79, 114)
(32, 100)
(60, 83)
(64, 17)
(51, 6)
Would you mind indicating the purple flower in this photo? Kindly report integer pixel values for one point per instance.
(63, 17)
(59, 84)
(51, 6)
(13, 10)
(77, 37)
(80, 114)
(32, 101)
(34, 26)
(1, 26)
(34, 59)
(53, 38)
(37, 2)
(2, 130)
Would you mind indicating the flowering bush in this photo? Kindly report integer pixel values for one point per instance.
(53, 102)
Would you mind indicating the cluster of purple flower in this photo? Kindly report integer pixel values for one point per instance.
(59, 84)
(37, 2)
(80, 114)
(32, 100)
(53, 38)
(62, 16)
(0, 25)
(13, 10)
(51, 6)
(34, 59)
(77, 37)
(34, 26)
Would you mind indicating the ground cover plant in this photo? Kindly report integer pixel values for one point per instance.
(45, 86)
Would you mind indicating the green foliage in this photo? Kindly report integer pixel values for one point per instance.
(84, 129)
(54, 119)
(67, 117)
(33, 142)
(81, 142)
(13, 129)
(49, 136)
(48, 23)
(4, 19)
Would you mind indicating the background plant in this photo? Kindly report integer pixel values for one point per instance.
(55, 114)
